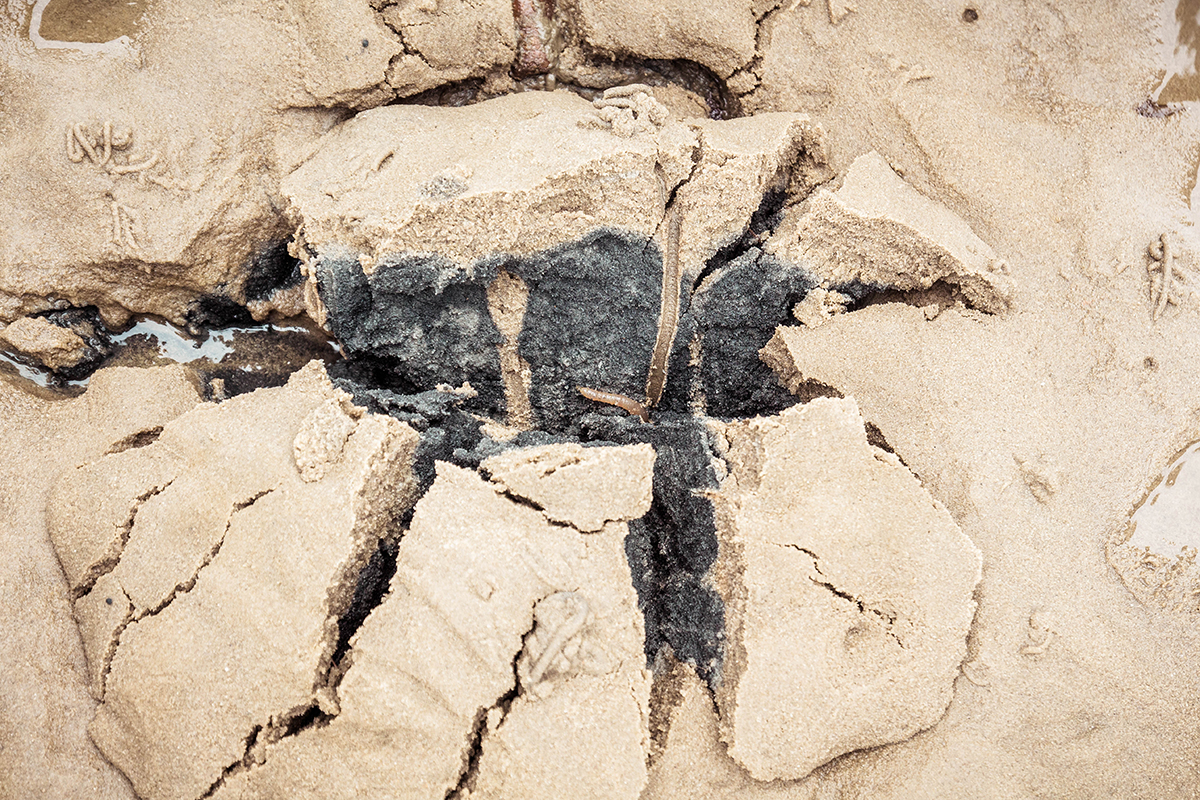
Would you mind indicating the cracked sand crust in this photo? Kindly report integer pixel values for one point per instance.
(214, 609)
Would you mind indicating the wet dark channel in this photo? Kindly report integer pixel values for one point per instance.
(228, 361)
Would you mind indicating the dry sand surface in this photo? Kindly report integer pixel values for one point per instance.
(588, 399)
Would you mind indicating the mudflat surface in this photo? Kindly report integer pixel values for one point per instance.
(968, 222)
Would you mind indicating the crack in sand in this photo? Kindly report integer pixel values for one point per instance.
(509, 494)
(113, 556)
(110, 652)
(888, 620)
(237, 766)
(190, 583)
(136, 440)
(484, 723)
(754, 65)
(183, 588)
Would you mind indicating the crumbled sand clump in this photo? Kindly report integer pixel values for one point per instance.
(51, 346)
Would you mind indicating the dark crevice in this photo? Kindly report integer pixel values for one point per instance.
(479, 729)
(110, 652)
(136, 440)
(525, 502)
(238, 506)
(452, 95)
(237, 766)
(466, 780)
(311, 717)
(218, 309)
(373, 585)
(875, 439)
(888, 620)
(699, 79)
(810, 390)
(187, 586)
(941, 295)
(110, 561)
(763, 222)
(271, 269)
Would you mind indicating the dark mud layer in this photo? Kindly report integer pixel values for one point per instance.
(415, 322)
(732, 316)
(672, 549)
(591, 321)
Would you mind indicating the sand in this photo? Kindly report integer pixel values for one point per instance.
(968, 222)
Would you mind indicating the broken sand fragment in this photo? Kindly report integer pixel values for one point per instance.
(878, 230)
(829, 542)
(216, 610)
(432, 689)
(740, 161)
(516, 175)
(719, 35)
(48, 344)
(819, 306)
(581, 486)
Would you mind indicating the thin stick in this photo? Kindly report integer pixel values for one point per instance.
(668, 315)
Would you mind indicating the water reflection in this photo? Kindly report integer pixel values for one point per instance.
(244, 357)
(1169, 519)
(91, 26)
(1180, 35)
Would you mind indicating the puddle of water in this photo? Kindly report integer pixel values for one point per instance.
(92, 26)
(1169, 519)
(174, 345)
(244, 357)
(1180, 36)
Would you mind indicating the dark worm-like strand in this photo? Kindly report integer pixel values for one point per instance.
(619, 400)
